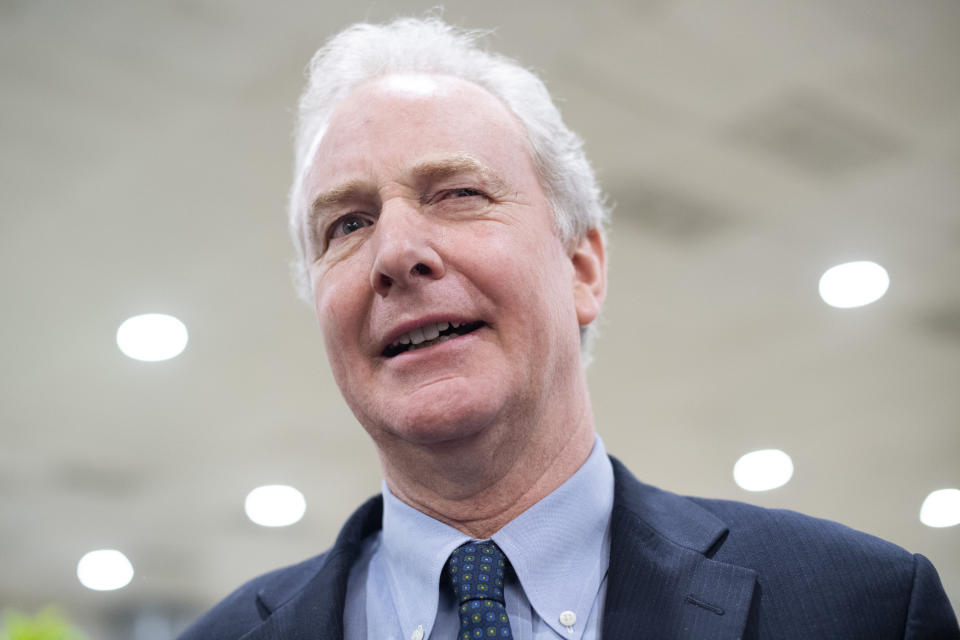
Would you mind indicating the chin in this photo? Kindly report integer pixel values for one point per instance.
(444, 412)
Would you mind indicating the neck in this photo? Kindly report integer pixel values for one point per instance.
(479, 484)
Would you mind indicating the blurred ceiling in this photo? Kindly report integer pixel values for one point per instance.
(748, 146)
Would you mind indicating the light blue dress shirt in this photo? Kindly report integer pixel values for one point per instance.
(559, 549)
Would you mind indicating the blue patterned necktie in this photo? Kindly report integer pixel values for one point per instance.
(476, 572)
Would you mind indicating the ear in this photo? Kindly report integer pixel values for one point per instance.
(589, 277)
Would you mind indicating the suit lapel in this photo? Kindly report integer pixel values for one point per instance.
(314, 610)
(661, 582)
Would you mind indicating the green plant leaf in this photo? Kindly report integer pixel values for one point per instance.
(47, 624)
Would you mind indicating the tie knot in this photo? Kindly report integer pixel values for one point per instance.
(476, 571)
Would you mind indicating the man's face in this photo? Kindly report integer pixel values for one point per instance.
(428, 217)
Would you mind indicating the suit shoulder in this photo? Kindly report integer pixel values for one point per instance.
(251, 603)
(784, 545)
(839, 571)
(812, 578)
(759, 527)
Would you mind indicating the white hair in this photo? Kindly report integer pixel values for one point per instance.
(364, 52)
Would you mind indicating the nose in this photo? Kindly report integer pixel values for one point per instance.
(405, 252)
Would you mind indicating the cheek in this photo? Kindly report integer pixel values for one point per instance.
(555, 287)
(551, 271)
(337, 306)
(529, 269)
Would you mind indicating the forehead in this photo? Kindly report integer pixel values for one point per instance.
(387, 126)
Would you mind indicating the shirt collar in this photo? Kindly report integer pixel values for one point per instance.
(560, 547)
(565, 534)
(416, 548)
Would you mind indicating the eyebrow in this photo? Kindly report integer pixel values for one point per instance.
(346, 192)
(451, 166)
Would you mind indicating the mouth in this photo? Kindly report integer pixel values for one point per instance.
(430, 334)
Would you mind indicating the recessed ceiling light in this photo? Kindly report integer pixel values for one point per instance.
(853, 284)
(152, 337)
(275, 505)
(941, 508)
(104, 570)
(763, 470)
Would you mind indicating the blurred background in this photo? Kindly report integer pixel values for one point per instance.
(747, 146)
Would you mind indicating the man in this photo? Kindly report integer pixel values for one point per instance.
(450, 235)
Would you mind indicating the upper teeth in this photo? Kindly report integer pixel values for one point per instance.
(429, 331)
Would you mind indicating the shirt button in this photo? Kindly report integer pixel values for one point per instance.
(417, 633)
(568, 618)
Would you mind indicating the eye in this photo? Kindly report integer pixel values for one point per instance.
(466, 192)
(347, 224)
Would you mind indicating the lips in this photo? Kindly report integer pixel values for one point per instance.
(428, 335)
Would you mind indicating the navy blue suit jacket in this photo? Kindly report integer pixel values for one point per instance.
(679, 568)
